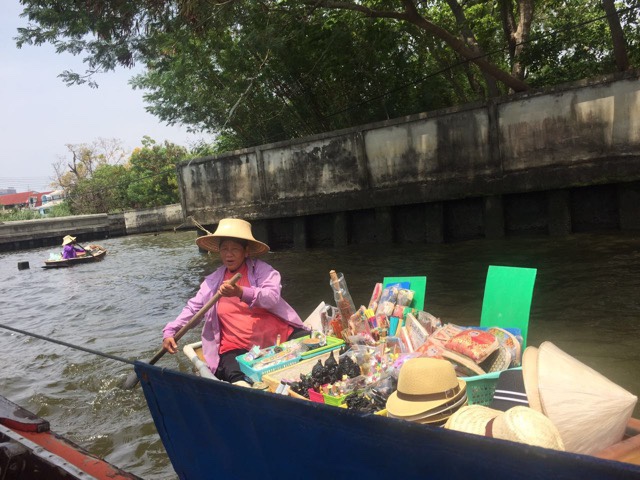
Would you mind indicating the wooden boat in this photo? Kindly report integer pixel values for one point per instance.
(28, 449)
(243, 432)
(94, 253)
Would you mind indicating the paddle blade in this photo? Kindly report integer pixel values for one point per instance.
(131, 381)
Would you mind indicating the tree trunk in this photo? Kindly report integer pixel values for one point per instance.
(617, 36)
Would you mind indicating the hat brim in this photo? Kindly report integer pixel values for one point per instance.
(530, 377)
(211, 243)
(439, 413)
(409, 408)
(472, 419)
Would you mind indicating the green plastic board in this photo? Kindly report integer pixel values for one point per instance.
(417, 284)
(507, 298)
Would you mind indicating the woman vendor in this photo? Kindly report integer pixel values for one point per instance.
(70, 249)
(252, 312)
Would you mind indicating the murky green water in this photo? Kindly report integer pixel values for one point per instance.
(586, 300)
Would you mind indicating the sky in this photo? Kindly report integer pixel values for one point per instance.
(40, 114)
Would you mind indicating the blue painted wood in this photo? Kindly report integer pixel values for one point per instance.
(212, 429)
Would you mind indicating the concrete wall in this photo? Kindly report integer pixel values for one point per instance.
(49, 231)
(458, 161)
(153, 219)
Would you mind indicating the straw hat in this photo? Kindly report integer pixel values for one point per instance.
(463, 364)
(232, 228)
(518, 424)
(530, 376)
(590, 411)
(68, 239)
(424, 384)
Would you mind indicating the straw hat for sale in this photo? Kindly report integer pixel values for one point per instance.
(530, 377)
(68, 239)
(590, 411)
(424, 384)
(518, 424)
(232, 228)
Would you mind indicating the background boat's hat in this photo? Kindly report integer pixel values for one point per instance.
(590, 411)
(424, 384)
(232, 228)
(509, 391)
(530, 377)
(68, 239)
(518, 424)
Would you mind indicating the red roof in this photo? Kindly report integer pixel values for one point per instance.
(21, 198)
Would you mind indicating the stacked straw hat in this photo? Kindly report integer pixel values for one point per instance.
(428, 392)
(590, 411)
(232, 228)
(518, 424)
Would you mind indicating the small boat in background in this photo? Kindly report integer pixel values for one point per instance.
(28, 449)
(94, 253)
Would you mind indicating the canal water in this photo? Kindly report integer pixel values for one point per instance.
(586, 300)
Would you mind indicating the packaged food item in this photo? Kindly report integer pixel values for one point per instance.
(474, 343)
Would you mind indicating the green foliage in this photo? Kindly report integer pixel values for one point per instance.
(18, 214)
(152, 174)
(259, 72)
(61, 210)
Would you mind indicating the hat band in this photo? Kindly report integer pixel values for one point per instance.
(429, 397)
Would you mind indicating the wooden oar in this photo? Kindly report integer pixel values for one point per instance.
(85, 249)
(132, 379)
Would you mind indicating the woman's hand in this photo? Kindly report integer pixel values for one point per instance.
(228, 290)
(170, 345)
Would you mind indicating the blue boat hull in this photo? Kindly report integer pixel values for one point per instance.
(216, 430)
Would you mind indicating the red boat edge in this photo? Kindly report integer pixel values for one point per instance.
(28, 446)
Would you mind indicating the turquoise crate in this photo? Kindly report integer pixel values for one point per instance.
(332, 344)
(255, 374)
(480, 388)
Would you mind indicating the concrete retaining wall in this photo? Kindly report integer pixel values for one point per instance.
(49, 231)
(583, 134)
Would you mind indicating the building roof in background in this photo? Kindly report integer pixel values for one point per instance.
(21, 198)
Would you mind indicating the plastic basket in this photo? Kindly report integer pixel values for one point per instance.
(333, 400)
(256, 374)
(480, 388)
(332, 344)
(315, 396)
(292, 372)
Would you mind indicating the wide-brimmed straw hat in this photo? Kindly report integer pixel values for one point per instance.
(530, 377)
(68, 239)
(232, 228)
(590, 411)
(518, 424)
(424, 384)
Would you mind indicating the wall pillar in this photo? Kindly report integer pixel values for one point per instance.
(434, 218)
(493, 217)
(340, 233)
(384, 225)
(299, 233)
(629, 206)
(559, 212)
(260, 230)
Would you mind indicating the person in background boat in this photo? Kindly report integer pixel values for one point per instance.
(70, 249)
(252, 312)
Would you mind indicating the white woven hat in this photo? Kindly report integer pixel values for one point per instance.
(590, 411)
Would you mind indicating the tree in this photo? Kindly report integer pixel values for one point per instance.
(257, 72)
(152, 174)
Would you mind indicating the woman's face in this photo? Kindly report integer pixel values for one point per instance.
(233, 254)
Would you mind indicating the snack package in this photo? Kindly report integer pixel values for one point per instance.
(428, 321)
(473, 343)
(405, 297)
(375, 297)
(389, 294)
(359, 322)
(447, 331)
(386, 308)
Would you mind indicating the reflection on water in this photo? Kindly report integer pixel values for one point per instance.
(585, 301)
